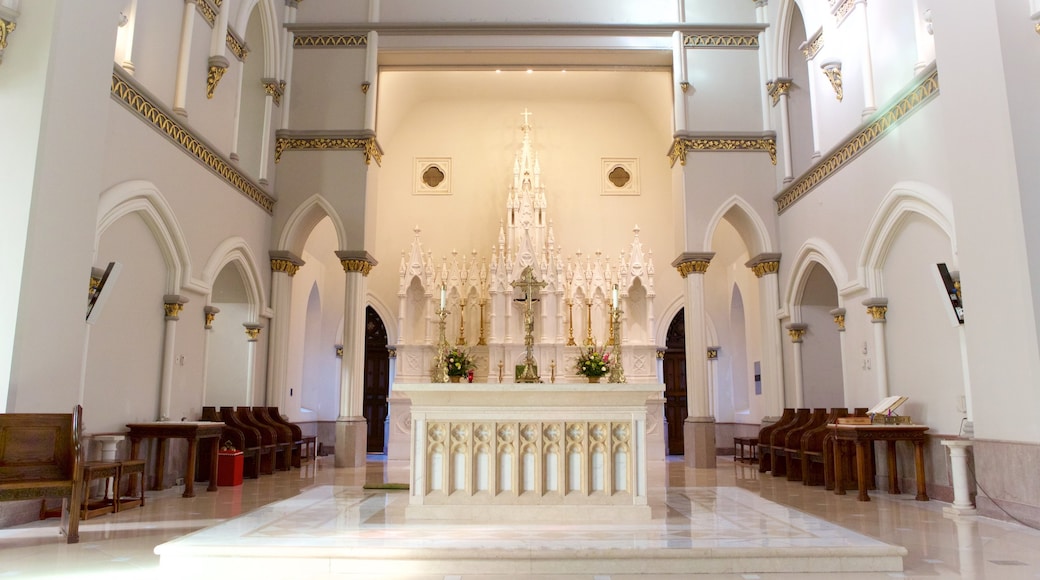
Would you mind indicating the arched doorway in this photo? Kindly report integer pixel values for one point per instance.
(377, 380)
(674, 371)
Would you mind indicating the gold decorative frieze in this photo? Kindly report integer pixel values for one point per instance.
(832, 70)
(842, 9)
(320, 40)
(777, 89)
(713, 352)
(747, 40)
(137, 101)
(326, 142)
(275, 89)
(207, 11)
(683, 145)
(692, 263)
(236, 45)
(919, 94)
(812, 46)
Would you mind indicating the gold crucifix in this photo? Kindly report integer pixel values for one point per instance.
(529, 285)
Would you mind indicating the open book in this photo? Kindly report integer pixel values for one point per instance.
(887, 406)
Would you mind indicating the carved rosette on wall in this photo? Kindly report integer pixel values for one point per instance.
(345, 141)
(684, 144)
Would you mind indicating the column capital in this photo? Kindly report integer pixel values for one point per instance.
(777, 88)
(839, 318)
(286, 262)
(172, 305)
(391, 351)
(692, 263)
(339, 351)
(210, 313)
(253, 330)
(660, 354)
(797, 330)
(356, 261)
(713, 352)
(765, 263)
(877, 308)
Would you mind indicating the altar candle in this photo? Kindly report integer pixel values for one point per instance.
(444, 297)
(615, 296)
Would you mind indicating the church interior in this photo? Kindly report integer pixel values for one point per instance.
(767, 215)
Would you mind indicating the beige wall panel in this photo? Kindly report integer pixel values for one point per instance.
(725, 94)
(326, 91)
(719, 12)
(339, 176)
(714, 177)
(157, 39)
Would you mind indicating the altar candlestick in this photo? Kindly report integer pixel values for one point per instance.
(615, 296)
(444, 297)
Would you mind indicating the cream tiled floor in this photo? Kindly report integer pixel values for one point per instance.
(122, 545)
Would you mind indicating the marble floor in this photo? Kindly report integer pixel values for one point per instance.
(731, 507)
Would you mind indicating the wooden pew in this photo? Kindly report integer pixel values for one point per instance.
(793, 443)
(776, 441)
(254, 447)
(268, 437)
(297, 435)
(237, 439)
(289, 445)
(765, 459)
(813, 464)
(40, 457)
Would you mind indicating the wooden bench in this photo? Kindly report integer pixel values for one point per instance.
(40, 458)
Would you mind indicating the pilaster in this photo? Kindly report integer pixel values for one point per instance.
(877, 308)
(699, 429)
(284, 266)
(766, 267)
(173, 304)
(351, 428)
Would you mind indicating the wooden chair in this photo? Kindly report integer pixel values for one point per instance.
(40, 457)
(765, 462)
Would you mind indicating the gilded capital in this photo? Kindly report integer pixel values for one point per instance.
(796, 330)
(173, 304)
(777, 89)
(877, 308)
(218, 65)
(713, 352)
(391, 352)
(356, 261)
(765, 263)
(660, 354)
(839, 318)
(275, 89)
(6, 27)
(339, 351)
(285, 262)
(832, 70)
(693, 263)
(252, 331)
(210, 313)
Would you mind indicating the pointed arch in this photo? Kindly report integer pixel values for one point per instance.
(746, 221)
(236, 250)
(270, 28)
(905, 198)
(785, 15)
(665, 320)
(813, 251)
(386, 314)
(303, 219)
(145, 199)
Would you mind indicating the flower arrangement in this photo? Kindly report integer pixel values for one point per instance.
(458, 362)
(593, 362)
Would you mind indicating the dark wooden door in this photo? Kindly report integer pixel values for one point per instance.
(377, 380)
(675, 406)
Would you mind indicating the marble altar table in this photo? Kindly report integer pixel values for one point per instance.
(530, 451)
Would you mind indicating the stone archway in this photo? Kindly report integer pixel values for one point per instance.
(674, 373)
(377, 380)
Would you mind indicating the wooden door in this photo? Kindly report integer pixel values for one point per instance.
(377, 380)
(675, 406)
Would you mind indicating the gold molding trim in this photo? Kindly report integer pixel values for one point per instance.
(207, 11)
(1037, 28)
(776, 89)
(141, 104)
(284, 265)
(683, 145)
(832, 71)
(325, 143)
(813, 46)
(216, 72)
(356, 265)
(275, 89)
(319, 40)
(842, 10)
(762, 268)
(236, 45)
(720, 40)
(919, 94)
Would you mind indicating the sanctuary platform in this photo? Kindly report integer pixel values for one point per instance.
(333, 531)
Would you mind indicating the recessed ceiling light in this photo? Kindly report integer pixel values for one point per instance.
(498, 71)
(529, 71)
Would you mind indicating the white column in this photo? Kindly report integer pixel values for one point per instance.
(923, 36)
(180, 95)
(370, 87)
(210, 313)
(959, 473)
(766, 267)
(238, 116)
(252, 334)
(968, 404)
(814, 88)
(796, 330)
(351, 428)
(287, 60)
(839, 320)
(785, 135)
(869, 103)
(125, 38)
(284, 266)
(713, 364)
(265, 142)
(218, 41)
(878, 309)
(172, 306)
(679, 75)
(699, 429)
(764, 52)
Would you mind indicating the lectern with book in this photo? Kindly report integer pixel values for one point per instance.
(883, 413)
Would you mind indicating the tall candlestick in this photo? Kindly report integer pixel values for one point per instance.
(615, 296)
(444, 296)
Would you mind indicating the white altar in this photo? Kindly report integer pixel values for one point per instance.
(498, 452)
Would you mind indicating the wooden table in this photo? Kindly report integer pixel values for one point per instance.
(193, 431)
(865, 435)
